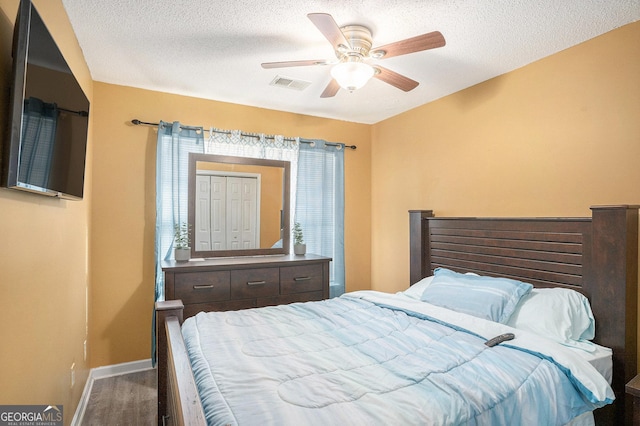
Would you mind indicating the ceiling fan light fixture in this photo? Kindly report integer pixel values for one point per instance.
(353, 45)
(352, 75)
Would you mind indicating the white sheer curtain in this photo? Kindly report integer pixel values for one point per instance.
(174, 144)
(320, 206)
(257, 145)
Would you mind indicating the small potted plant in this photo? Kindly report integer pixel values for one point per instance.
(299, 247)
(182, 250)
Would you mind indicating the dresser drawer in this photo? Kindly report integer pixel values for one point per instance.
(251, 283)
(298, 279)
(199, 287)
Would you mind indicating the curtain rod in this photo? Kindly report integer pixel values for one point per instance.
(137, 122)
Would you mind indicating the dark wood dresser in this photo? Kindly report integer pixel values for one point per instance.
(225, 284)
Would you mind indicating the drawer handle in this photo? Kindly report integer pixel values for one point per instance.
(302, 278)
(202, 287)
(256, 282)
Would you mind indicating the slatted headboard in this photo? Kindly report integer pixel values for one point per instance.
(597, 256)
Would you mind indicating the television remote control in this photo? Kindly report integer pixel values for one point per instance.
(499, 339)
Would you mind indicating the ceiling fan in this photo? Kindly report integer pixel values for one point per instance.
(352, 45)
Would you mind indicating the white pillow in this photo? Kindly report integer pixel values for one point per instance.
(559, 314)
(415, 291)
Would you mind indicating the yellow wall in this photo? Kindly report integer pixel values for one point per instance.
(44, 264)
(123, 212)
(549, 139)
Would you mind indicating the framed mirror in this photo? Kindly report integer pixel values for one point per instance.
(238, 206)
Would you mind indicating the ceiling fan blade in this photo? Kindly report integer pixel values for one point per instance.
(395, 79)
(328, 27)
(331, 89)
(285, 64)
(410, 45)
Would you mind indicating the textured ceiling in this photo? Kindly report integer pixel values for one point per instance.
(213, 49)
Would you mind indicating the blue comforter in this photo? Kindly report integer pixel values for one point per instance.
(365, 360)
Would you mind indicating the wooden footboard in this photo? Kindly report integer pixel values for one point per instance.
(178, 399)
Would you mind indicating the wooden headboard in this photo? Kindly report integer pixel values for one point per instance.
(597, 256)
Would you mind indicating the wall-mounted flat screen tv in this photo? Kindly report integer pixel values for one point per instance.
(45, 148)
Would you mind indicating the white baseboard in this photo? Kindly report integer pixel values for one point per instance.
(118, 369)
(101, 373)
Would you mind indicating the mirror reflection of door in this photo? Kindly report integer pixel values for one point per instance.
(227, 213)
(272, 214)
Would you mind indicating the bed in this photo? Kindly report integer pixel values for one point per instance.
(597, 257)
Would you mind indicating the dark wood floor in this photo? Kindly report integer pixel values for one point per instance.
(128, 399)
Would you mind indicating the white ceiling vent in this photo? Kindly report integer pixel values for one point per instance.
(289, 83)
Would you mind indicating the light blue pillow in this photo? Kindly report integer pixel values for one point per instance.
(485, 297)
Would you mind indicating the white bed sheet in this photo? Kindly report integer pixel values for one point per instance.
(601, 359)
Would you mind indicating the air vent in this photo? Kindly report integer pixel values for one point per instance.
(289, 83)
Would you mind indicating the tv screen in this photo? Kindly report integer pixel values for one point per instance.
(47, 136)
